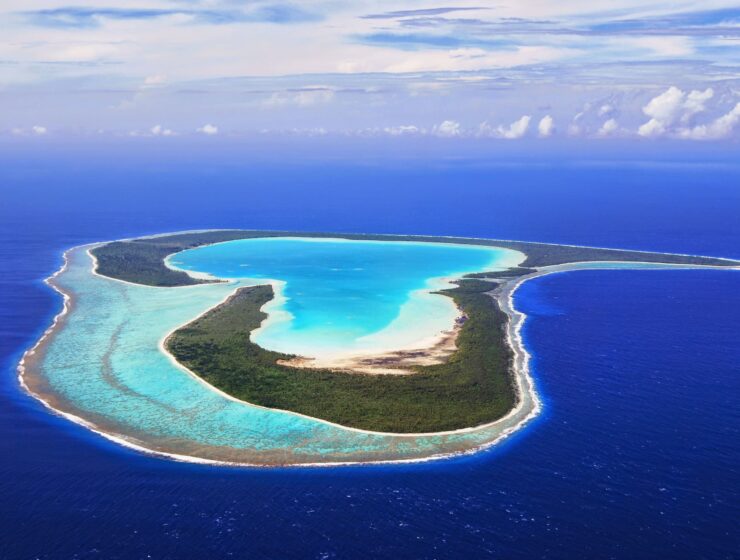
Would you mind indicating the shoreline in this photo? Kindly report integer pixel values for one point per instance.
(432, 351)
(504, 292)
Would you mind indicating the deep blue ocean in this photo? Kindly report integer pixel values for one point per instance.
(637, 453)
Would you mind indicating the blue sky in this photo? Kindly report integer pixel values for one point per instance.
(529, 70)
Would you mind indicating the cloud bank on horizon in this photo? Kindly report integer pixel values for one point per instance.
(538, 69)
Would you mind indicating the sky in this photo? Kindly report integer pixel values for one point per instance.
(527, 70)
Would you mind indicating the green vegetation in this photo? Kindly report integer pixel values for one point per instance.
(473, 387)
(142, 260)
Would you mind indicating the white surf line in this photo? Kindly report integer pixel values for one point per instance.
(525, 383)
(49, 281)
(161, 345)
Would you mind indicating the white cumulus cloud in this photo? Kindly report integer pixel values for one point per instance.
(36, 130)
(719, 128)
(306, 97)
(670, 107)
(546, 126)
(402, 130)
(517, 129)
(696, 103)
(608, 128)
(208, 129)
(159, 130)
(448, 129)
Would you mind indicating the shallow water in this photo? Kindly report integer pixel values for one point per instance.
(341, 296)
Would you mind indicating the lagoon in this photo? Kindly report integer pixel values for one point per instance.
(337, 297)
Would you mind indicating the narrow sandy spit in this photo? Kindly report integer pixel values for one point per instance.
(528, 402)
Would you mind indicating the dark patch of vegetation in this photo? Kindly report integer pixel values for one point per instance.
(142, 260)
(473, 387)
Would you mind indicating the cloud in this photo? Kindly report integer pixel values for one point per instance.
(448, 129)
(708, 23)
(87, 18)
(408, 41)
(608, 128)
(705, 22)
(82, 53)
(421, 12)
(403, 130)
(423, 62)
(154, 80)
(159, 130)
(36, 130)
(671, 106)
(74, 17)
(659, 32)
(452, 60)
(303, 97)
(665, 107)
(546, 126)
(651, 129)
(132, 40)
(208, 129)
(282, 14)
(311, 132)
(719, 128)
(515, 130)
(696, 103)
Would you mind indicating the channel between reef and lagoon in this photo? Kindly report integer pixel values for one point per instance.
(382, 447)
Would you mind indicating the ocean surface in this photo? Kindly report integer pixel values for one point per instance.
(339, 297)
(636, 453)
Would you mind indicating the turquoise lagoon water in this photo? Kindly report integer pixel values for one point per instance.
(341, 297)
(106, 366)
